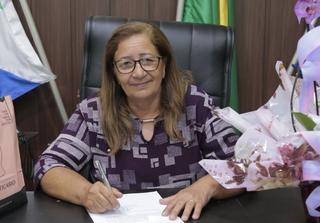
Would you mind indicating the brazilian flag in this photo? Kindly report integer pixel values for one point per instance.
(219, 12)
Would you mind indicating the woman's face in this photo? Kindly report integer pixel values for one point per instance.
(139, 85)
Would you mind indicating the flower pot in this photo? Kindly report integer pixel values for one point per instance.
(306, 189)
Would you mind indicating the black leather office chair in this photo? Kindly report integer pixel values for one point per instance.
(204, 49)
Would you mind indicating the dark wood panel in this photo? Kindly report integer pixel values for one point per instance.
(130, 8)
(266, 31)
(80, 9)
(282, 34)
(53, 21)
(250, 38)
(157, 7)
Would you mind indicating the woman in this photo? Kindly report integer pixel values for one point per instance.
(148, 126)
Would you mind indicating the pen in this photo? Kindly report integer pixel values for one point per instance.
(103, 176)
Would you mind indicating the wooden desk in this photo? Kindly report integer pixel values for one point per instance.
(276, 206)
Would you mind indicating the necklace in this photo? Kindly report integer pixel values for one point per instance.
(148, 120)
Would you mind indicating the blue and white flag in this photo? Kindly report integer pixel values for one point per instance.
(20, 67)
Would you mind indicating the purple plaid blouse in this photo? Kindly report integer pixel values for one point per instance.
(141, 164)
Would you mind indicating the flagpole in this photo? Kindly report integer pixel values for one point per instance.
(44, 59)
(179, 12)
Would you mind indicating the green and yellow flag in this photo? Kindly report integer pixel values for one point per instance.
(215, 12)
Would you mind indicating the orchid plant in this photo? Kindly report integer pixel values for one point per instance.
(309, 61)
(270, 153)
(308, 52)
(308, 9)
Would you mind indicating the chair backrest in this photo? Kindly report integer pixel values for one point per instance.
(204, 49)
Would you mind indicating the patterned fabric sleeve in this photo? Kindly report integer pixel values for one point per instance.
(71, 149)
(221, 136)
(216, 137)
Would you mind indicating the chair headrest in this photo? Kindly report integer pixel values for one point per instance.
(204, 49)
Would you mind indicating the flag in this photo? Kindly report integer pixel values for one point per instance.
(219, 12)
(20, 67)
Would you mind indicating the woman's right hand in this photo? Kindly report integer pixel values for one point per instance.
(68, 185)
(97, 198)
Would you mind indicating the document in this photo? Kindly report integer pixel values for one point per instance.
(136, 208)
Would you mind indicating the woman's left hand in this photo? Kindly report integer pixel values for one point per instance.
(195, 197)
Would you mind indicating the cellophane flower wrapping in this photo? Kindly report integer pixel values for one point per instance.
(275, 150)
(269, 153)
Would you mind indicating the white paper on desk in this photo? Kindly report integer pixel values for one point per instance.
(135, 208)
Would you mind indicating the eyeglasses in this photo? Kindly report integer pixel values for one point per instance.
(126, 66)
